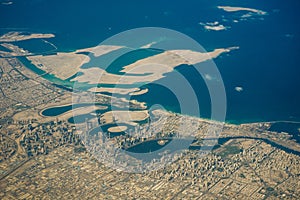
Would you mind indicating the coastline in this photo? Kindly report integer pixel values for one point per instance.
(236, 122)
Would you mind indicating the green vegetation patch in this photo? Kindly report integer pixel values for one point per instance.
(229, 150)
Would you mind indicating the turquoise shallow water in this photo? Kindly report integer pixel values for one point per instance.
(266, 65)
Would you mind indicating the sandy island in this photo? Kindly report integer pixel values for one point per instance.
(215, 26)
(123, 91)
(235, 9)
(128, 117)
(154, 67)
(144, 91)
(117, 129)
(65, 65)
(62, 65)
(100, 50)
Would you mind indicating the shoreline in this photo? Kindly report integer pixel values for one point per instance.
(235, 122)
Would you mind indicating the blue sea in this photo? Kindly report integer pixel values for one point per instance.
(266, 66)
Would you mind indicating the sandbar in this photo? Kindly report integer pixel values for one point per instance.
(117, 129)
